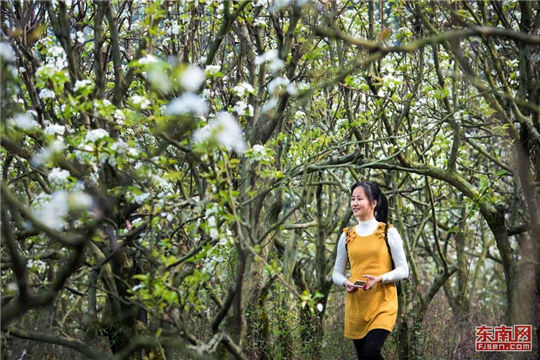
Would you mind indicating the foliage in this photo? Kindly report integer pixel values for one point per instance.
(175, 174)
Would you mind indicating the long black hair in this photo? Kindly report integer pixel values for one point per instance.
(374, 193)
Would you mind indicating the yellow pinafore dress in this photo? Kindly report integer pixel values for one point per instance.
(376, 308)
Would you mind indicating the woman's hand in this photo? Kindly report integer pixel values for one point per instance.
(372, 280)
(349, 286)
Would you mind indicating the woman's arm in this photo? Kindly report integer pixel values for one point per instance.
(338, 276)
(401, 270)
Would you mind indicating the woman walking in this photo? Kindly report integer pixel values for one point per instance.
(372, 303)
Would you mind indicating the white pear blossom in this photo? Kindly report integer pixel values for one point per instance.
(46, 153)
(174, 29)
(272, 56)
(55, 129)
(53, 212)
(80, 200)
(43, 72)
(119, 116)
(36, 263)
(206, 94)
(191, 78)
(260, 21)
(391, 81)
(24, 122)
(56, 58)
(275, 65)
(168, 216)
(81, 84)
(276, 83)
(243, 109)
(269, 105)
(80, 37)
(212, 224)
(160, 182)
(225, 130)
(223, 240)
(259, 150)
(320, 307)
(291, 89)
(95, 135)
(58, 176)
(212, 70)
(46, 94)
(133, 152)
(139, 199)
(119, 146)
(148, 59)
(280, 4)
(13, 288)
(266, 56)
(6, 52)
(187, 103)
(32, 113)
(13, 70)
(159, 79)
(140, 101)
(302, 86)
(243, 88)
(55, 51)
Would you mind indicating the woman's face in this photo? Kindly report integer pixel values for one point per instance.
(360, 205)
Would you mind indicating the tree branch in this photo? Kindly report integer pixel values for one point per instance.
(18, 261)
(67, 240)
(115, 44)
(43, 336)
(471, 31)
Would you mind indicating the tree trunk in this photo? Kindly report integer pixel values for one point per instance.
(311, 334)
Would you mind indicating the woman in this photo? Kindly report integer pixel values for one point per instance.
(371, 309)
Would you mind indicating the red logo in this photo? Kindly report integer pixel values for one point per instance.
(504, 338)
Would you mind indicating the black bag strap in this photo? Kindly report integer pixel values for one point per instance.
(388, 246)
(396, 283)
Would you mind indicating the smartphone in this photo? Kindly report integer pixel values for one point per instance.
(359, 283)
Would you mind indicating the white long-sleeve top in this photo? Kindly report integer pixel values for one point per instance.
(365, 228)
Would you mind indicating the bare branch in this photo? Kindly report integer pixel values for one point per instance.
(42, 336)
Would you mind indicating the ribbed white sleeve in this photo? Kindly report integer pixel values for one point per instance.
(401, 270)
(338, 276)
(395, 242)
